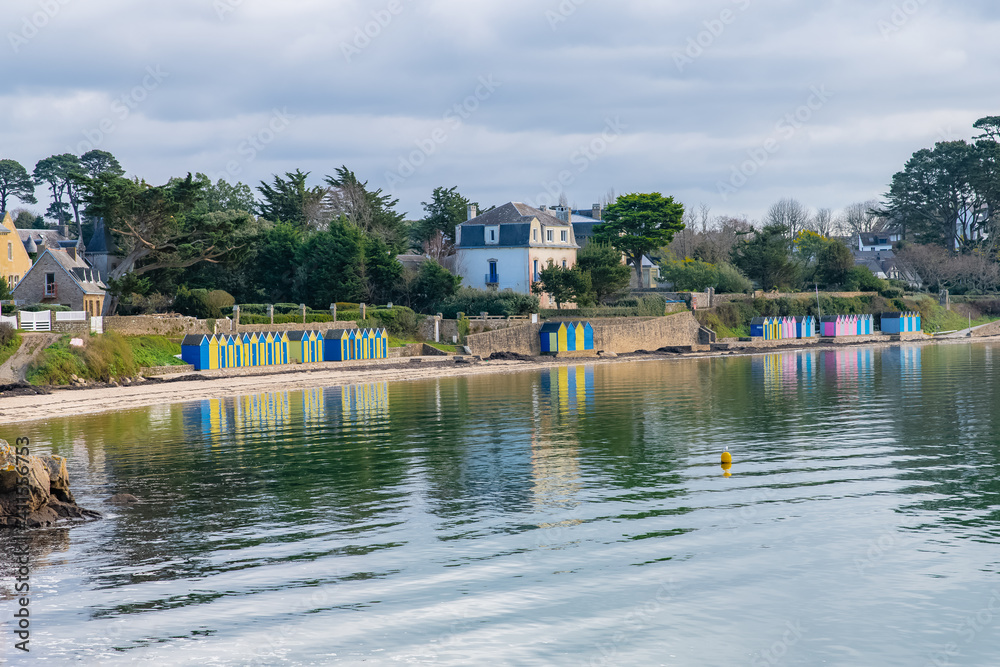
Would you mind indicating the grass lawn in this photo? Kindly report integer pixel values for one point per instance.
(151, 351)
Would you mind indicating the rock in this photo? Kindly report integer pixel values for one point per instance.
(48, 498)
(607, 355)
(122, 499)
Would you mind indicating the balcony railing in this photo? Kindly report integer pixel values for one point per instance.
(492, 279)
(51, 292)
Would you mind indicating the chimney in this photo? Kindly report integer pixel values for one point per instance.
(562, 212)
(472, 211)
(595, 211)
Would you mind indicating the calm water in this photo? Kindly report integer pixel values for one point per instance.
(576, 516)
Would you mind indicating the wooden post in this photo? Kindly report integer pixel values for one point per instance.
(270, 312)
(364, 311)
(333, 311)
(302, 307)
(236, 319)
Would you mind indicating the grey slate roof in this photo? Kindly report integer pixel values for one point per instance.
(514, 220)
(43, 238)
(515, 212)
(81, 271)
(101, 241)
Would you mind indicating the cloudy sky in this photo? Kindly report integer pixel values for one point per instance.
(731, 103)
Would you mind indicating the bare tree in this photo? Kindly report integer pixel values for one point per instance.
(703, 216)
(862, 218)
(788, 213)
(438, 247)
(822, 223)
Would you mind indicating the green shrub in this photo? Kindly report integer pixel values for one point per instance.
(108, 358)
(692, 275)
(55, 364)
(861, 279)
(475, 301)
(10, 341)
(39, 307)
(196, 303)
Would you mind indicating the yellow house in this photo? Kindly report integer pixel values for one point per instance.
(14, 260)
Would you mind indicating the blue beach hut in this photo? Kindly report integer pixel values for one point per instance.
(337, 345)
(757, 327)
(195, 351)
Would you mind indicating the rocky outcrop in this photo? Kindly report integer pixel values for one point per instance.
(46, 497)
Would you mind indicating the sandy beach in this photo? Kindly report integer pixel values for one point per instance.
(68, 402)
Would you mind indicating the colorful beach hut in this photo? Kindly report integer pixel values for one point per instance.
(337, 345)
(805, 326)
(757, 328)
(251, 349)
(896, 323)
(553, 337)
(195, 351)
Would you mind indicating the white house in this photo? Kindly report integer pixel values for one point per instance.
(507, 247)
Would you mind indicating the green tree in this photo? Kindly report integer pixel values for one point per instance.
(446, 209)
(603, 264)
(765, 258)
(637, 224)
(158, 227)
(15, 182)
(331, 266)
(433, 285)
(936, 190)
(289, 199)
(4, 290)
(226, 196)
(383, 271)
(57, 173)
(96, 162)
(274, 262)
(833, 262)
(371, 210)
(563, 285)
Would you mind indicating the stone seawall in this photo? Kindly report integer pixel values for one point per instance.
(611, 335)
(178, 327)
(991, 329)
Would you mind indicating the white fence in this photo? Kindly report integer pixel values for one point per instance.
(12, 320)
(71, 316)
(39, 321)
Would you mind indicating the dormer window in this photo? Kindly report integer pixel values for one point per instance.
(492, 235)
(534, 235)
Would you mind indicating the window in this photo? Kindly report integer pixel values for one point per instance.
(562, 236)
(492, 235)
(548, 235)
(534, 271)
(492, 278)
(534, 234)
(10, 251)
(564, 263)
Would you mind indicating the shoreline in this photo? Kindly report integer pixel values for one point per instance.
(72, 402)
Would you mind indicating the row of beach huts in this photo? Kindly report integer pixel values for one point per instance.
(832, 326)
(206, 352)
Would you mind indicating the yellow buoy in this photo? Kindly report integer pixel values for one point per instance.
(726, 456)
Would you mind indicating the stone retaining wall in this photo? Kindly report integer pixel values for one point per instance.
(991, 329)
(180, 326)
(150, 371)
(71, 328)
(619, 335)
